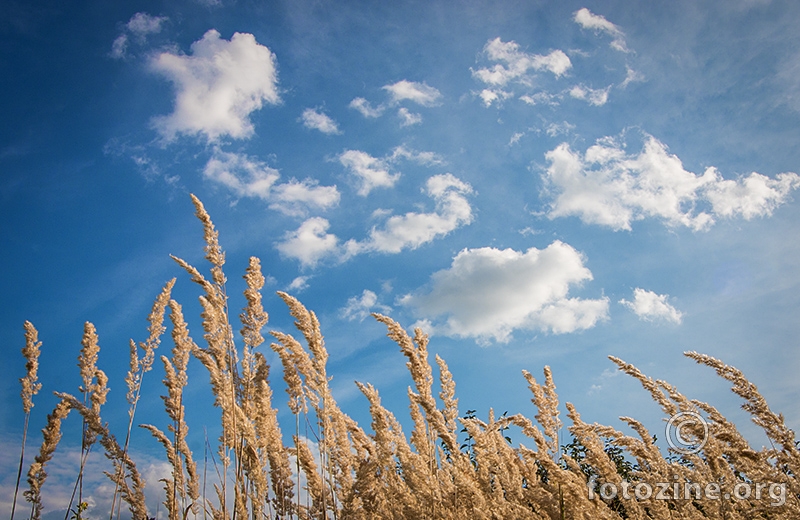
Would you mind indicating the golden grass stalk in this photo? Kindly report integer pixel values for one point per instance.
(37, 474)
(30, 387)
(135, 377)
(94, 391)
(183, 491)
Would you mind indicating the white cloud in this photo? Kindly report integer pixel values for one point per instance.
(143, 23)
(217, 87)
(408, 118)
(610, 187)
(119, 47)
(369, 171)
(540, 98)
(140, 25)
(517, 64)
(489, 96)
(515, 138)
(309, 243)
(249, 177)
(299, 284)
(366, 109)
(419, 93)
(489, 293)
(753, 196)
(650, 306)
(415, 229)
(358, 308)
(244, 176)
(596, 97)
(319, 121)
(404, 90)
(374, 172)
(597, 23)
(603, 379)
(554, 129)
(423, 158)
(294, 197)
(631, 76)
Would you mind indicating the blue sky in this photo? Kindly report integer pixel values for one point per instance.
(534, 183)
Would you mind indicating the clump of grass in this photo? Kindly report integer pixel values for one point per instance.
(331, 467)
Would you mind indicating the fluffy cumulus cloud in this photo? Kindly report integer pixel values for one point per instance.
(368, 171)
(488, 293)
(249, 177)
(317, 120)
(419, 93)
(359, 307)
(412, 230)
(310, 243)
(753, 196)
(139, 26)
(217, 87)
(650, 306)
(515, 66)
(588, 20)
(609, 187)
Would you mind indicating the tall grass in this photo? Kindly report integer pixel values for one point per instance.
(333, 468)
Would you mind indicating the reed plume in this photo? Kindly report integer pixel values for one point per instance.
(30, 387)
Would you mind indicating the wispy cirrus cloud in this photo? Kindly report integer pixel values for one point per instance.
(217, 87)
(489, 293)
(650, 306)
(610, 187)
